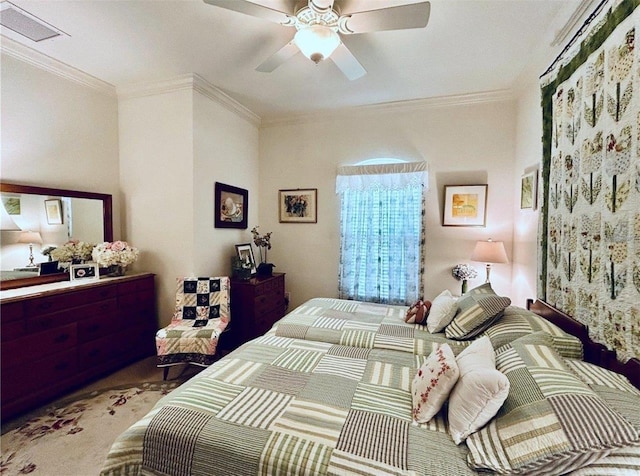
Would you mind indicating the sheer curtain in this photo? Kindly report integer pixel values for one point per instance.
(382, 232)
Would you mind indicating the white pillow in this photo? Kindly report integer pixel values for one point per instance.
(478, 355)
(443, 310)
(479, 392)
(433, 383)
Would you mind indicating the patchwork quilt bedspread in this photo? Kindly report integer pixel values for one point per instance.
(328, 392)
(280, 405)
(378, 326)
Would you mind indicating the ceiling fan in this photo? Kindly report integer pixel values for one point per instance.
(319, 24)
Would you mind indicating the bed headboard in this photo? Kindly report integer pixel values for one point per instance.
(593, 352)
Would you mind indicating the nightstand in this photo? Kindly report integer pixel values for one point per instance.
(256, 304)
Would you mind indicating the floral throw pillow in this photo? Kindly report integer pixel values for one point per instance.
(433, 383)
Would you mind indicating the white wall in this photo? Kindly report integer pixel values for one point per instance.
(226, 151)
(464, 144)
(57, 133)
(173, 147)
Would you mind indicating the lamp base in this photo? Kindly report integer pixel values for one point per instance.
(488, 272)
(31, 263)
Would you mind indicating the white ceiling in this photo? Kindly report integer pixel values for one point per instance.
(469, 46)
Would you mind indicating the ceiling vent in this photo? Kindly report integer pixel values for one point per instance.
(25, 24)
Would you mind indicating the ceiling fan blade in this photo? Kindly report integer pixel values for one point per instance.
(279, 57)
(393, 18)
(348, 64)
(249, 8)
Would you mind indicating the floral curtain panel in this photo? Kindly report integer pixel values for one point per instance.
(590, 223)
(382, 232)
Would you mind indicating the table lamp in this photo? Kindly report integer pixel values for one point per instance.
(489, 252)
(30, 237)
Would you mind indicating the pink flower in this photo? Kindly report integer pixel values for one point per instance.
(118, 245)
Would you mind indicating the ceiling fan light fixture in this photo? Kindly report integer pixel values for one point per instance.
(317, 42)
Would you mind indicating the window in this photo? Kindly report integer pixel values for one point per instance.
(382, 231)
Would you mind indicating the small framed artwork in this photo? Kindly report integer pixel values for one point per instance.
(11, 205)
(245, 254)
(84, 271)
(465, 205)
(48, 267)
(231, 206)
(53, 207)
(298, 206)
(529, 191)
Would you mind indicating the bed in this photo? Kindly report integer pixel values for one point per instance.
(328, 390)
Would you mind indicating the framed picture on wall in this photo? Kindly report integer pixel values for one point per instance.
(529, 191)
(298, 206)
(465, 205)
(53, 207)
(231, 206)
(11, 205)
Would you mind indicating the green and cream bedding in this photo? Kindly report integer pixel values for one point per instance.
(331, 400)
(377, 326)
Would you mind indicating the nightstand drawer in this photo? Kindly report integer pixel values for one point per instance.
(266, 303)
(275, 285)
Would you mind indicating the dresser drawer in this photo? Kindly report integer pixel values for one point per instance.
(35, 346)
(136, 286)
(76, 314)
(97, 326)
(94, 353)
(135, 301)
(11, 312)
(58, 302)
(24, 379)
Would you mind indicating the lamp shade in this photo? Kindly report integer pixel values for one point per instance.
(30, 237)
(317, 42)
(490, 252)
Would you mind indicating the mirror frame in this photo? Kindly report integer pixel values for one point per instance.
(107, 217)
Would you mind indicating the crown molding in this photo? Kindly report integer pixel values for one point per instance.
(392, 107)
(577, 17)
(192, 82)
(40, 60)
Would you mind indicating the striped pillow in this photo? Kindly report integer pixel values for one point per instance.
(518, 322)
(477, 310)
(551, 422)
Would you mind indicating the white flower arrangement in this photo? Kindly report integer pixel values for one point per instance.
(72, 250)
(116, 253)
(464, 271)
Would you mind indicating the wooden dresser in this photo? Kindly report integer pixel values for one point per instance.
(255, 305)
(55, 338)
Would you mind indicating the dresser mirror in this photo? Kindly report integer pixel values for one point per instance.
(36, 218)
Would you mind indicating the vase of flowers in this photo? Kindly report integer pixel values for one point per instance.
(115, 256)
(263, 242)
(73, 251)
(464, 272)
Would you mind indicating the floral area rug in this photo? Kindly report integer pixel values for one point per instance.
(72, 437)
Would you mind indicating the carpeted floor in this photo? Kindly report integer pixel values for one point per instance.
(72, 436)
